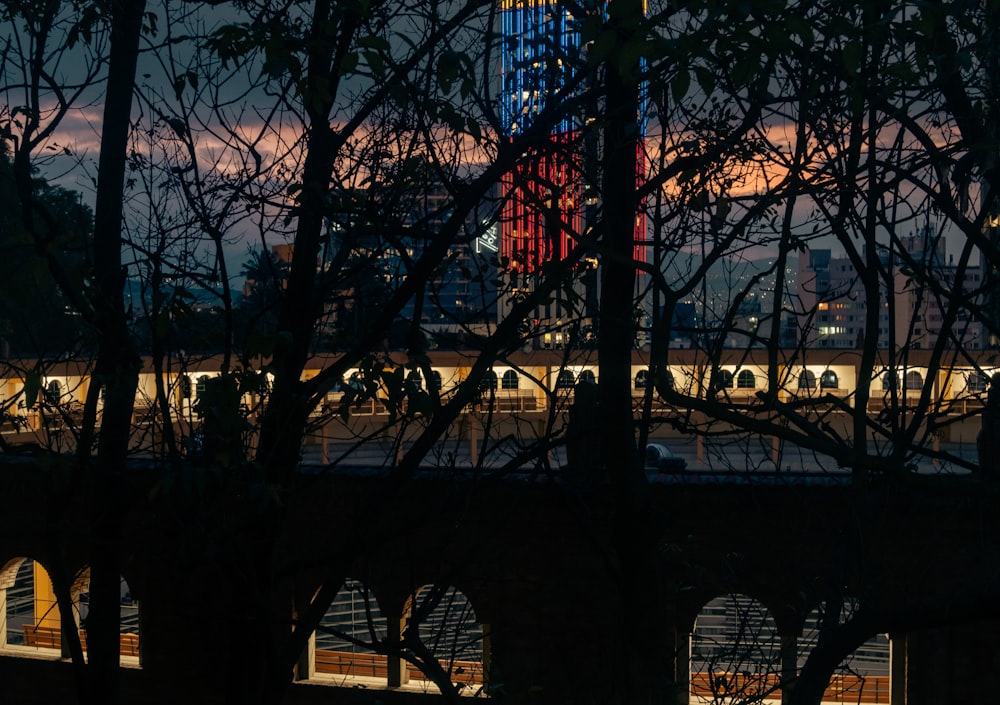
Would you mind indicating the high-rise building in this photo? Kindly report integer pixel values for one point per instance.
(549, 199)
(542, 209)
(911, 315)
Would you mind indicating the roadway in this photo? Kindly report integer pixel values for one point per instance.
(718, 457)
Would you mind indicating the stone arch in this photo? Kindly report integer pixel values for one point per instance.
(735, 650)
(29, 616)
(128, 624)
(864, 674)
(446, 623)
(345, 637)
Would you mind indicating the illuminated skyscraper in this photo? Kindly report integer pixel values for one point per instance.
(542, 208)
(548, 203)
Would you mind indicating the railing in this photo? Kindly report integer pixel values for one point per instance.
(369, 665)
(843, 688)
(51, 638)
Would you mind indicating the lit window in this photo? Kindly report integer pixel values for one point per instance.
(565, 380)
(722, 379)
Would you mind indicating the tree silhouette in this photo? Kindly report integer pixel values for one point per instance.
(365, 143)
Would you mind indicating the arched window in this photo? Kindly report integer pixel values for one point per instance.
(488, 383)
(746, 380)
(510, 380)
(977, 382)
(355, 383)
(641, 379)
(184, 387)
(668, 379)
(914, 380)
(53, 391)
(722, 379)
(565, 380)
(414, 381)
(889, 381)
(435, 381)
(829, 380)
(807, 379)
(200, 386)
(587, 376)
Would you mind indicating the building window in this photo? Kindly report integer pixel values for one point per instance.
(807, 379)
(977, 382)
(184, 386)
(53, 392)
(722, 379)
(587, 376)
(914, 380)
(746, 380)
(510, 380)
(829, 380)
(489, 382)
(565, 380)
(641, 379)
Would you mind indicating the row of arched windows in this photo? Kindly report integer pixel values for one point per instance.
(745, 379)
(567, 379)
(509, 381)
(828, 379)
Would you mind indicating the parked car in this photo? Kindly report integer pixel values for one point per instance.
(662, 459)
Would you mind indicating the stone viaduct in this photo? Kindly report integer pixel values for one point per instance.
(530, 554)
